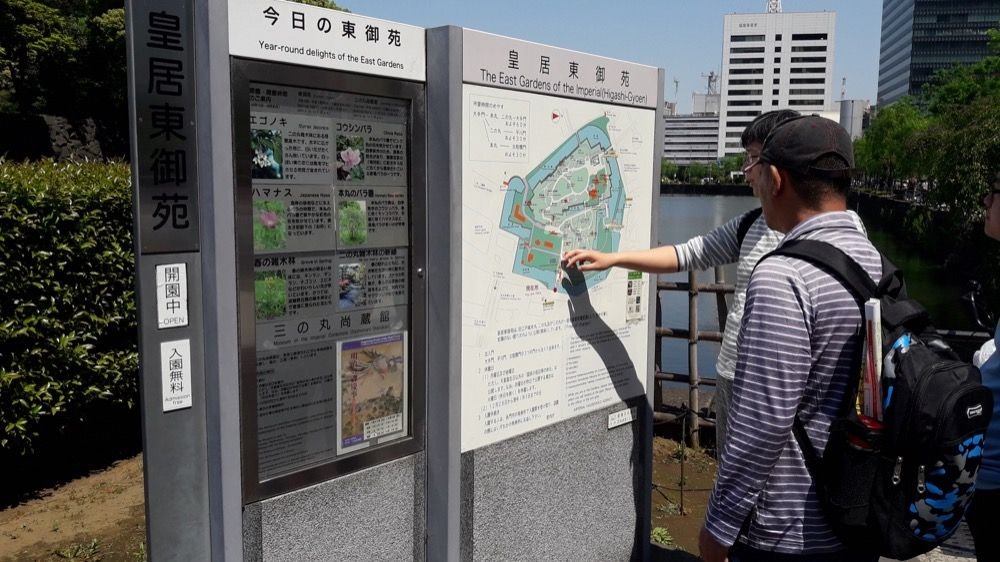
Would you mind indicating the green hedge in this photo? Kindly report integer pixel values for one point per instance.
(67, 298)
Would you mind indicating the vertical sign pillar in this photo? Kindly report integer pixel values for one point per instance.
(165, 175)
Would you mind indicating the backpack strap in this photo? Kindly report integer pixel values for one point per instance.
(834, 261)
(856, 280)
(746, 221)
(898, 310)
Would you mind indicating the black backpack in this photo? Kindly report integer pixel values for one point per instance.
(746, 221)
(903, 488)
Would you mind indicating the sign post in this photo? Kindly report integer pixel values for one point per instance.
(279, 165)
(549, 370)
(308, 270)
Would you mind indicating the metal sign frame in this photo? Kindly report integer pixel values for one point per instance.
(243, 72)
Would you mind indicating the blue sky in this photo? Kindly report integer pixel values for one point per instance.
(682, 36)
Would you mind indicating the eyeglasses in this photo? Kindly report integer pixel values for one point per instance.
(749, 163)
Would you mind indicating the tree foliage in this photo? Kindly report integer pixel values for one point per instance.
(949, 136)
(962, 84)
(668, 170)
(732, 163)
(886, 149)
(67, 58)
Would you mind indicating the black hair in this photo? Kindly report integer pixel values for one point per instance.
(763, 124)
(812, 189)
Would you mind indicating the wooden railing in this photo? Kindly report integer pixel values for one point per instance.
(693, 335)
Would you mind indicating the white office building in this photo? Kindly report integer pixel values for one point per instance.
(688, 139)
(774, 61)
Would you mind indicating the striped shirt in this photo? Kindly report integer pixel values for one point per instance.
(719, 247)
(800, 330)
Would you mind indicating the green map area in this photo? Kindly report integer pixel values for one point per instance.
(573, 199)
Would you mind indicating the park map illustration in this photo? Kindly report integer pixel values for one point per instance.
(574, 198)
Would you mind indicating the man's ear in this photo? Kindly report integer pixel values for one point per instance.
(777, 180)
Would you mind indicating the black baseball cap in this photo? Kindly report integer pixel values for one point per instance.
(798, 144)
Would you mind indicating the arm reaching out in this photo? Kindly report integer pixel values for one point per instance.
(719, 246)
(656, 260)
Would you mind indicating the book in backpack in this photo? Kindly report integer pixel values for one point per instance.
(901, 483)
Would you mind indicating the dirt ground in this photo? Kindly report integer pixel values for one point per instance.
(680, 509)
(682, 525)
(99, 517)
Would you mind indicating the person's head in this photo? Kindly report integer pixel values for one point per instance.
(806, 163)
(753, 137)
(763, 124)
(992, 202)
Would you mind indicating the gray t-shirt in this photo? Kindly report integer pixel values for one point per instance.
(719, 247)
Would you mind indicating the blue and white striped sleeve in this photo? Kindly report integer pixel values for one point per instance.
(772, 367)
(717, 247)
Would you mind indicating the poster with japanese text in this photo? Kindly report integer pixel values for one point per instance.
(316, 298)
(373, 390)
(330, 204)
(328, 169)
(296, 408)
(542, 175)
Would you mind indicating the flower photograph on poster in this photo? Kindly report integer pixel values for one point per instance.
(352, 221)
(267, 154)
(270, 294)
(270, 226)
(350, 155)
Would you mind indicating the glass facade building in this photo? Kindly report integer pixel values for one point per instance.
(920, 37)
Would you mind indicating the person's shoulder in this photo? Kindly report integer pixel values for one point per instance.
(760, 230)
(777, 270)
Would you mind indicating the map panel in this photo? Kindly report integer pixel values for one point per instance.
(574, 199)
(543, 175)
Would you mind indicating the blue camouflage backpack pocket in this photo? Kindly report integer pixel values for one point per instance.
(940, 421)
(948, 488)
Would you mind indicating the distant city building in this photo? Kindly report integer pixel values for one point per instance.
(895, 51)
(920, 37)
(669, 108)
(774, 61)
(706, 104)
(691, 138)
(852, 116)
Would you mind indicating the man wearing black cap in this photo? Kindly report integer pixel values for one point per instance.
(800, 329)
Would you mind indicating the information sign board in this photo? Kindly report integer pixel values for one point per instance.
(550, 163)
(275, 30)
(330, 237)
(327, 167)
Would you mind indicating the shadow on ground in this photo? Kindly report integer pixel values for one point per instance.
(102, 437)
